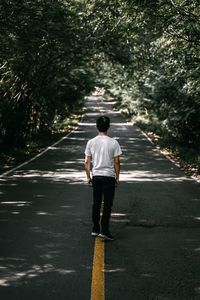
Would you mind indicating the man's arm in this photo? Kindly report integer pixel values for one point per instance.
(117, 167)
(87, 167)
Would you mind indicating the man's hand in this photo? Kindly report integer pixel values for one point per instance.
(117, 169)
(87, 168)
(116, 182)
(89, 180)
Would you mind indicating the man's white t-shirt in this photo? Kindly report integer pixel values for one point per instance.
(103, 149)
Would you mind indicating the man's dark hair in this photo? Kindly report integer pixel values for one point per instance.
(103, 123)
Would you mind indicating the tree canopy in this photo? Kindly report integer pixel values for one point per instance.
(145, 53)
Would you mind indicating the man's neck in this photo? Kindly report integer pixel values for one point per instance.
(103, 133)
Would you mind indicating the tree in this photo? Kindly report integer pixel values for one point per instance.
(43, 64)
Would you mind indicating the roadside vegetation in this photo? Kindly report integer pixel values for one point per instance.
(146, 54)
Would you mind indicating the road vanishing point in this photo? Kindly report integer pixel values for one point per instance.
(46, 248)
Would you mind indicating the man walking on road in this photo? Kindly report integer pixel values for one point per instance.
(104, 153)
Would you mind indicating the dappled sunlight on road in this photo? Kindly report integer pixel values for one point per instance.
(114, 270)
(44, 213)
(16, 203)
(4, 182)
(71, 176)
(120, 218)
(16, 277)
(143, 176)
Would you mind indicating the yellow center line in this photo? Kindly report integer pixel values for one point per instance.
(97, 287)
(98, 280)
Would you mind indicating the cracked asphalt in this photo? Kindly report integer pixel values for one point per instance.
(46, 250)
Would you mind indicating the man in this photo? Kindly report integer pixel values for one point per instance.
(104, 153)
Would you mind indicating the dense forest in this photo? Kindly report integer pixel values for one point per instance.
(146, 54)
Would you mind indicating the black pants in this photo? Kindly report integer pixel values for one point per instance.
(103, 189)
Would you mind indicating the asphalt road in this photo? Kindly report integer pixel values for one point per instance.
(46, 251)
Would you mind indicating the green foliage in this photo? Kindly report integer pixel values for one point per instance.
(45, 69)
(161, 80)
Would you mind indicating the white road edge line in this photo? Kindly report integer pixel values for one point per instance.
(41, 153)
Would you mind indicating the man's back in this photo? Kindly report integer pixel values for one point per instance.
(103, 149)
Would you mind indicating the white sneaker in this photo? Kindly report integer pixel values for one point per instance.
(94, 234)
(106, 236)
